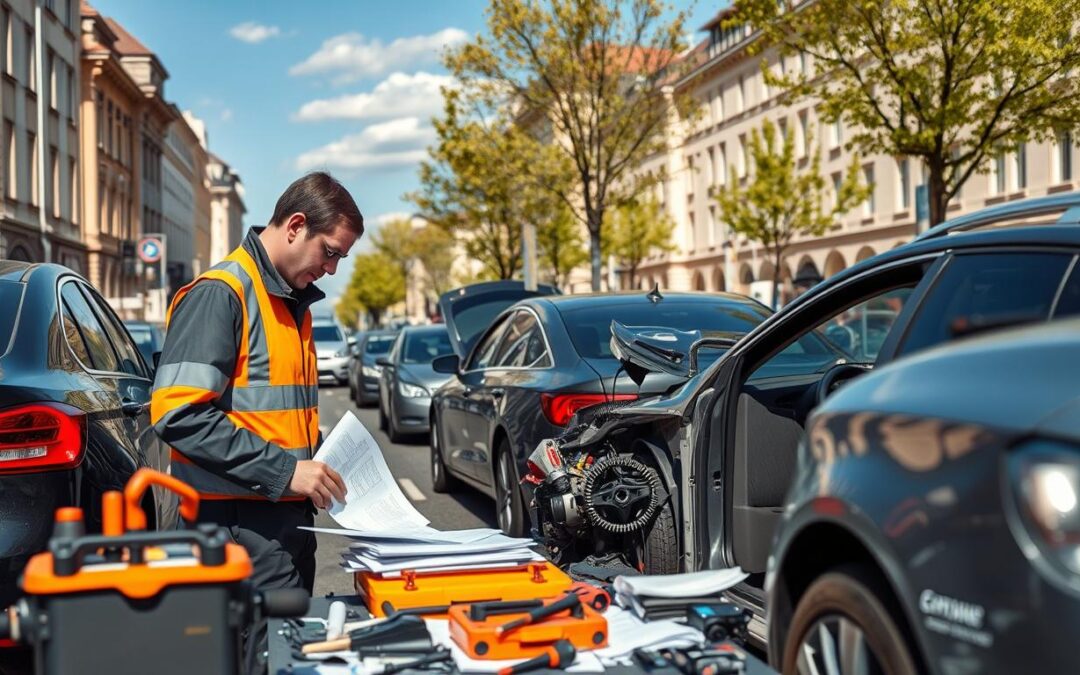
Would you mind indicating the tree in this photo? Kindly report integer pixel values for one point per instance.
(434, 249)
(592, 69)
(560, 245)
(395, 239)
(348, 309)
(376, 283)
(638, 229)
(953, 83)
(780, 202)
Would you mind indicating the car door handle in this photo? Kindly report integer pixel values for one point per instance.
(498, 392)
(132, 408)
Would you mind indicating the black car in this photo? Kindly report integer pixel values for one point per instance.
(74, 410)
(726, 439)
(148, 337)
(522, 376)
(933, 524)
(364, 372)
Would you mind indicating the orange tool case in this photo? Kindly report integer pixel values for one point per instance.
(417, 591)
(476, 629)
(135, 601)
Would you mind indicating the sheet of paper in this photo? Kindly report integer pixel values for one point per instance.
(585, 662)
(398, 550)
(374, 501)
(691, 584)
(627, 632)
(353, 567)
(423, 535)
(434, 562)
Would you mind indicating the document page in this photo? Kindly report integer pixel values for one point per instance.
(374, 501)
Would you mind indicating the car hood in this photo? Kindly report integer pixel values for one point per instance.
(325, 350)
(422, 374)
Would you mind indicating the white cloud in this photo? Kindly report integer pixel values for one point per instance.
(226, 114)
(399, 95)
(384, 218)
(253, 33)
(351, 56)
(388, 145)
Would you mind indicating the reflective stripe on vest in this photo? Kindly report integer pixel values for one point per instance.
(272, 392)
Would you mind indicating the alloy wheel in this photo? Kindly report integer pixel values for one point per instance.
(836, 645)
(506, 497)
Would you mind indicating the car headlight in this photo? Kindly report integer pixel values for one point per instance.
(1044, 477)
(410, 390)
(341, 353)
(371, 371)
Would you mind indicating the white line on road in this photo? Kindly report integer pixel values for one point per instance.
(411, 491)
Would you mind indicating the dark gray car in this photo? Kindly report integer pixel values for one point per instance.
(364, 371)
(933, 524)
(407, 380)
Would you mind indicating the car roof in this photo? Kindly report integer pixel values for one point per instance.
(567, 303)
(426, 328)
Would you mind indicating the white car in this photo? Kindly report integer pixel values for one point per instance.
(331, 350)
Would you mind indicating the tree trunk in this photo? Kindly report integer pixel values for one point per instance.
(776, 278)
(376, 316)
(936, 197)
(594, 254)
(632, 270)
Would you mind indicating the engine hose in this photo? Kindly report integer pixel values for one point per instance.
(615, 485)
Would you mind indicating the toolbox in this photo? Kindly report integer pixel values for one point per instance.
(132, 601)
(417, 592)
(502, 630)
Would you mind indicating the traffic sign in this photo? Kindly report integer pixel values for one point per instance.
(150, 249)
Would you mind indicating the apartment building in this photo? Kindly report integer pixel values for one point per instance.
(39, 53)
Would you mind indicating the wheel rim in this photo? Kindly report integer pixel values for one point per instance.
(506, 498)
(436, 455)
(836, 645)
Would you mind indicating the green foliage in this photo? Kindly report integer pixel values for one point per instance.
(560, 246)
(377, 283)
(778, 201)
(433, 248)
(584, 77)
(953, 83)
(639, 229)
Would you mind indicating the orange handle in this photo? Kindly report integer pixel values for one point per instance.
(141, 481)
(112, 513)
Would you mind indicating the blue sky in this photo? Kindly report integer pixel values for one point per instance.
(286, 87)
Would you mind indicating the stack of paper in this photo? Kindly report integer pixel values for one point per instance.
(386, 533)
(668, 595)
(627, 632)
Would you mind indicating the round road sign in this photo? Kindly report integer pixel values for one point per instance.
(150, 249)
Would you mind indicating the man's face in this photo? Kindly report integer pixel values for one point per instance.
(313, 256)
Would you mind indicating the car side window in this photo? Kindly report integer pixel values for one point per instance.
(102, 356)
(74, 335)
(130, 361)
(1068, 303)
(985, 289)
(523, 346)
(484, 353)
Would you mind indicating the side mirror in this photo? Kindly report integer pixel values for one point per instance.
(351, 340)
(448, 365)
(383, 361)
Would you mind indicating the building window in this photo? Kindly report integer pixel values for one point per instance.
(54, 187)
(31, 71)
(740, 94)
(998, 171)
(73, 193)
(740, 158)
(903, 171)
(836, 134)
(718, 106)
(100, 106)
(5, 27)
(1064, 157)
(693, 232)
(11, 169)
(31, 144)
(869, 205)
(802, 133)
(51, 66)
(714, 234)
(721, 165)
(802, 63)
(1020, 166)
(837, 181)
(709, 169)
(109, 125)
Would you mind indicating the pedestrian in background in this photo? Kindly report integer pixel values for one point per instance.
(236, 390)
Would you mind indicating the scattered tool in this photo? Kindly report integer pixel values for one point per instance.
(597, 597)
(525, 628)
(720, 621)
(440, 655)
(335, 620)
(397, 635)
(559, 655)
(179, 598)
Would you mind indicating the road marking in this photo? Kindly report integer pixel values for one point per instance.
(411, 491)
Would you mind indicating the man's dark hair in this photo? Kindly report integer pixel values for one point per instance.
(323, 201)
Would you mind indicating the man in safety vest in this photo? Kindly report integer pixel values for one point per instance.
(236, 391)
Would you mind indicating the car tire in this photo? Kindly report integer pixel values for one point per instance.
(383, 425)
(392, 432)
(844, 600)
(441, 480)
(509, 504)
(660, 553)
(353, 396)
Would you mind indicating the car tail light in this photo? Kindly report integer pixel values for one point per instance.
(559, 408)
(1045, 481)
(41, 437)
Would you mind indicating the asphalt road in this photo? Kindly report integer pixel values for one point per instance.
(409, 464)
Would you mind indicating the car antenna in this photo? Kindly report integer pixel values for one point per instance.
(654, 295)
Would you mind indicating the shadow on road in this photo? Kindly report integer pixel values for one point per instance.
(480, 505)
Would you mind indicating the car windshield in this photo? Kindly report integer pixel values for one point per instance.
(379, 344)
(326, 333)
(426, 346)
(590, 326)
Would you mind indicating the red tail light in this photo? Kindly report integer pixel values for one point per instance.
(41, 437)
(559, 408)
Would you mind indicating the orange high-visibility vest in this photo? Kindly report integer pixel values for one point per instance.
(273, 391)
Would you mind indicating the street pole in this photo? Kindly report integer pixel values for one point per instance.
(528, 255)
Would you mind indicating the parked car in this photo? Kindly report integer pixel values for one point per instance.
(408, 380)
(364, 372)
(74, 411)
(331, 350)
(933, 523)
(148, 337)
(540, 360)
(725, 440)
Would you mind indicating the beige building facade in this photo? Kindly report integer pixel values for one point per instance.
(735, 100)
(39, 57)
(227, 208)
(185, 203)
